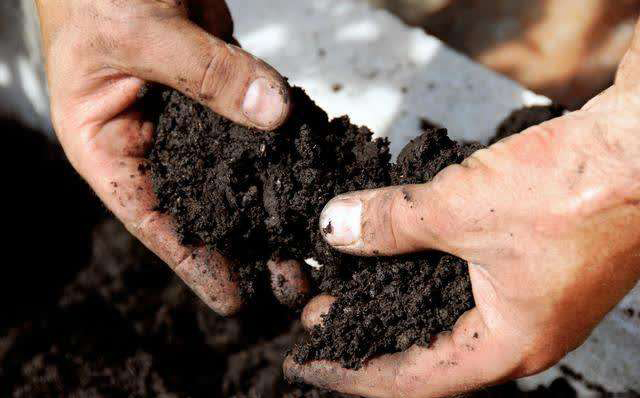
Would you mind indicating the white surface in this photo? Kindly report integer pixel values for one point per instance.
(391, 77)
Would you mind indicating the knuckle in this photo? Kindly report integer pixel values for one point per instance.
(399, 205)
(385, 219)
(452, 202)
(217, 74)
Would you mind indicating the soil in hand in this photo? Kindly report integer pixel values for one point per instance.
(256, 195)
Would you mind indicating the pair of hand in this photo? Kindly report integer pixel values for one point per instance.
(548, 219)
(99, 55)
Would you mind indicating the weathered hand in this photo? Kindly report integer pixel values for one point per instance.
(99, 55)
(549, 222)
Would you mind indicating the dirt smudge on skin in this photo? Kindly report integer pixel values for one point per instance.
(328, 230)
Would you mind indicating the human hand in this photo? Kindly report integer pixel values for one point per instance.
(548, 220)
(99, 55)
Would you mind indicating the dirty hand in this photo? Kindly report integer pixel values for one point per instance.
(549, 221)
(99, 55)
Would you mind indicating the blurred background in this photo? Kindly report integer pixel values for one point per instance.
(567, 50)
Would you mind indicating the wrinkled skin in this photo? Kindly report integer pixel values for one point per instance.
(99, 55)
(548, 220)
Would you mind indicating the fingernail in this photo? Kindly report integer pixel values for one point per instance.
(340, 222)
(264, 103)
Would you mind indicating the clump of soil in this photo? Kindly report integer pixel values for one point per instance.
(523, 118)
(385, 304)
(234, 188)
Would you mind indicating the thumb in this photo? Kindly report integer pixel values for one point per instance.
(400, 219)
(230, 81)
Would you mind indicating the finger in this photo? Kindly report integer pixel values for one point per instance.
(466, 359)
(289, 283)
(233, 83)
(113, 164)
(315, 310)
(400, 219)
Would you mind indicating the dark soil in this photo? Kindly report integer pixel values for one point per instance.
(523, 118)
(114, 321)
(234, 188)
(125, 326)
